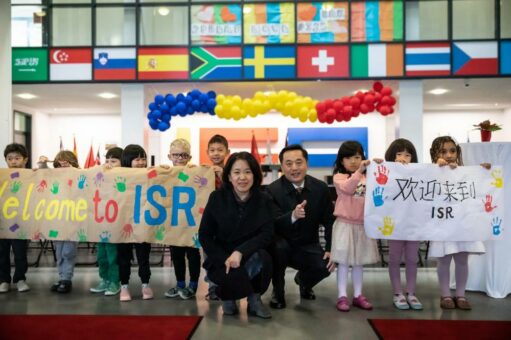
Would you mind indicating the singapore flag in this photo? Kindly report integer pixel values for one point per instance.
(70, 64)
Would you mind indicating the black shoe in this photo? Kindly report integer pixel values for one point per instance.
(55, 286)
(277, 301)
(64, 287)
(307, 293)
(255, 307)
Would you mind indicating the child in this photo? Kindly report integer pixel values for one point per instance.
(16, 157)
(134, 156)
(445, 151)
(402, 151)
(65, 250)
(350, 245)
(107, 252)
(179, 154)
(218, 150)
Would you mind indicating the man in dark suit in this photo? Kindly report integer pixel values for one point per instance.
(304, 204)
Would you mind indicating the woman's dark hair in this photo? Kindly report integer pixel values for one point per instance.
(347, 149)
(115, 152)
(66, 156)
(400, 145)
(293, 147)
(131, 152)
(436, 148)
(252, 163)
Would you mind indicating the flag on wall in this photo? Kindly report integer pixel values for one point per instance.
(254, 150)
(163, 63)
(475, 58)
(70, 64)
(215, 62)
(75, 151)
(376, 60)
(428, 59)
(61, 147)
(269, 62)
(269, 23)
(90, 161)
(377, 20)
(323, 61)
(115, 63)
(98, 158)
(505, 57)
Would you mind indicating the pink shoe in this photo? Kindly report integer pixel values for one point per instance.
(361, 302)
(342, 304)
(125, 294)
(147, 293)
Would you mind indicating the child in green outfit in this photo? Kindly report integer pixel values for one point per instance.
(107, 252)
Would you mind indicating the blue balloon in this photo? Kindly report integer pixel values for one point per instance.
(190, 110)
(173, 111)
(203, 98)
(170, 100)
(183, 113)
(212, 111)
(180, 97)
(156, 114)
(212, 94)
(150, 115)
(159, 99)
(153, 106)
(165, 117)
(195, 93)
(164, 107)
(162, 126)
(203, 108)
(188, 99)
(195, 104)
(153, 124)
(181, 107)
(211, 103)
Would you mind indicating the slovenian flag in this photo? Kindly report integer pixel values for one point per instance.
(428, 59)
(475, 58)
(115, 63)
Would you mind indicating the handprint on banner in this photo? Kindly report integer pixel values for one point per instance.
(378, 196)
(496, 222)
(104, 237)
(127, 231)
(15, 186)
(55, 188)
(497, 176)
(42, 186)
(99, 179)
(382, 175)
(82, 235)
(488, 204)
(82, 181)
(120, 184)
(70, 183)
(22, 235)
(37, 236)
(200, 180)
(388, 226)
(196, 241)
(160, 233)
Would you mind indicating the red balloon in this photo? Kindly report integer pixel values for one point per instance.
(392, 100)
(330, 114)
(320, 107)
(329, 103)
(391, 110)
(385, 100)
(371, 108)
(377, 86)
(321, 116)
(337, 105)
(355, 102)
(330, 120)
(386, 91)
(364, 108)
(377, 97)
(339, 117)
(369, 99)
(360, 95)
(355, 112)
(345, 100)
(384, 110)
(347, 109)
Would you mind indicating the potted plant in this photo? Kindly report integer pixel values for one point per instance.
(486, 128)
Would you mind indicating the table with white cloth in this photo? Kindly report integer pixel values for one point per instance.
(491, 272)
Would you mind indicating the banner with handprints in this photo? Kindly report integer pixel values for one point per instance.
(119, 205)
(426, 202)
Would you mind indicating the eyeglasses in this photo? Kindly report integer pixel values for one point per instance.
(183, 155)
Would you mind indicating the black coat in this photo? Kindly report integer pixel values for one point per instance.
(319, 210)
(228, 225)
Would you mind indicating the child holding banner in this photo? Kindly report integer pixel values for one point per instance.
(350, 245)
(134, 156)
(107, 252)
(179, 154)
(402, 151)
(16, 157)
(445, 151)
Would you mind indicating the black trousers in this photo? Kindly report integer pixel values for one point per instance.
(124, 257)
(178, 258)
(308, 260)
(19, 248)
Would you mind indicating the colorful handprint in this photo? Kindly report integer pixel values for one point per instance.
(127, 231)
(196, 241)
(120, 184)
(388, 226)
(22, 235)
(15, 186)
(378, 196)
(82, 181)
(200, 180)
(495, 223)
(160, 233)
(497, 176)
(105, 236)
(381, 175)
(42, 186)
(82, 235)
(488, 204)
(99, 179)
(55, 188)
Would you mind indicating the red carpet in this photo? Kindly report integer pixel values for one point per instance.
(96, 327)
(440, 329)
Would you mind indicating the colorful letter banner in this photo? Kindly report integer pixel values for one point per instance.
(29, 64)
(420, 202)
(270, 23)
(322, 22)
(377, 20)
(216, 24)
(113, 206)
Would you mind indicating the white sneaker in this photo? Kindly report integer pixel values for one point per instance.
(4, 287)
(22, 286)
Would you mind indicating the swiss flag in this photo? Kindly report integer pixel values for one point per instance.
(70, 64)
(323, 61)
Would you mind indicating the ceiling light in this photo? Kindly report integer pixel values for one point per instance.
(464, 105)
(27, 96)
(163, 11)
(438, 91)
(107, 95)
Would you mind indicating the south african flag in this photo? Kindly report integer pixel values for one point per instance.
(216, 63)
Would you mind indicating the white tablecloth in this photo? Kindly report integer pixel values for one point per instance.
(491, 272)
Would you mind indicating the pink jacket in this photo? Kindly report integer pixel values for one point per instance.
(349, 206)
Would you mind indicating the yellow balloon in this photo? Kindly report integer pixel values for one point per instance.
(235, 110)
(252, 113)
(228, 104)
(282, 93)
(303, 118)
(219, 110)
(273, 97)
(220, 98)
(236, 100)
(313, 116)
(304, 111)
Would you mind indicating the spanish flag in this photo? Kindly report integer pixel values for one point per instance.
(163, 63)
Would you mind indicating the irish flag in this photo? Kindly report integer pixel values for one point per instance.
(376, 60)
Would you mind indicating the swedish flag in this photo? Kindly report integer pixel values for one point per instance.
(265, 62)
